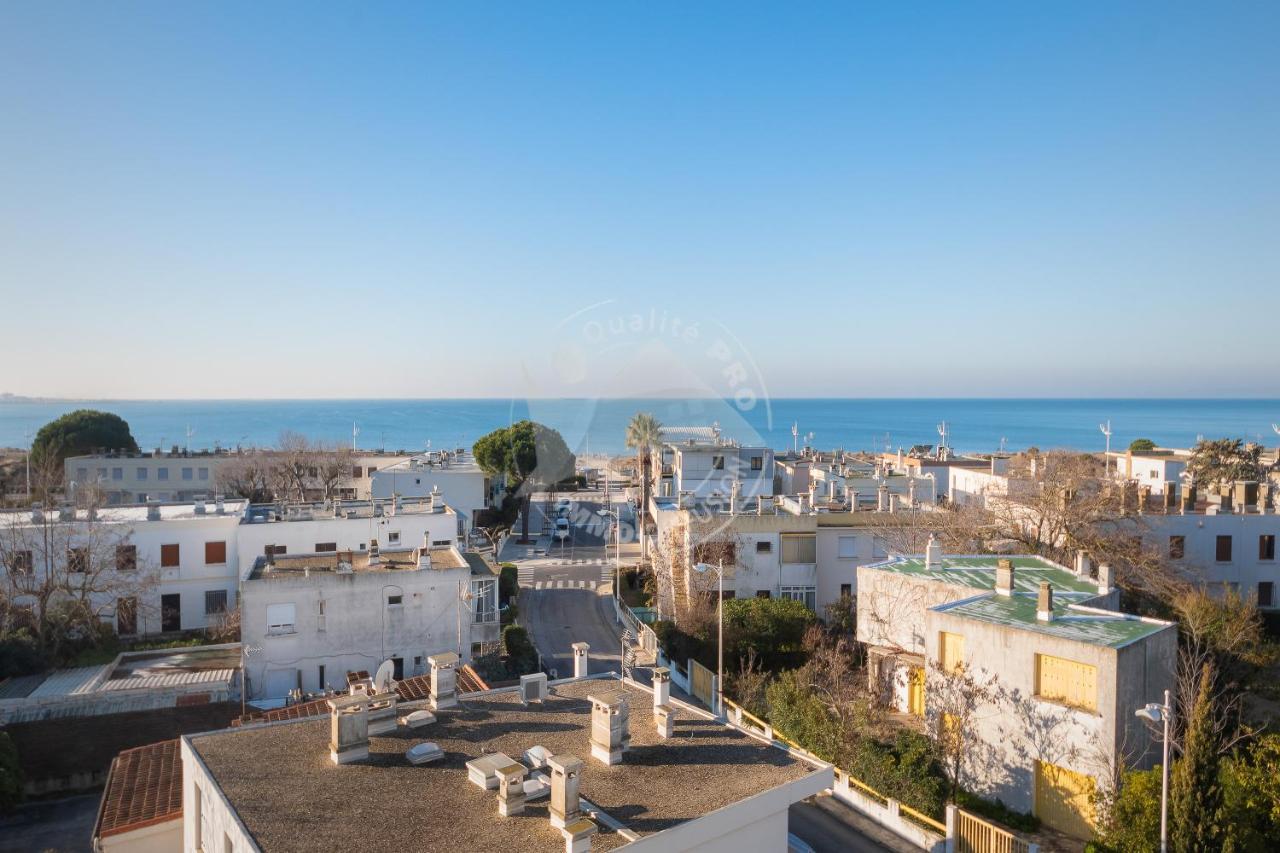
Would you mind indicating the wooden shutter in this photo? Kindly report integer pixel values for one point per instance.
(1067, 681)
(950, 650)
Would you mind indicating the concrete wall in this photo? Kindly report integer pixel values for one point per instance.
(213, 826)
(158, 838)
(463, 487)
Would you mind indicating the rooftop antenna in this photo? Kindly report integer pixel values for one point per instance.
(942, 446)
(1275, 428)
(384, 678)
(1105, 429)
(1003, 441)
(355, 431)
(795, 437)
(465, 596)
(190, 432)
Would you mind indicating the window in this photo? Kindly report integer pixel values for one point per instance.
(320, 620)
(950, 651)
(117, 473)
(187, 473)
(1067, 681)
(215, 602)
(171, 612)
(20, 562)
(395, 600)
(439, 542)
(484, 601)
(126, 558)
(168, 556)
(714, 552)
(763, 593)
(280, 619)
(393, 537)
(1177, 547)
(162, 473)
(327, 547)
(78, 560)
(355, 471)
(764, 547)
(126, 616)
(275, 551)
(1266, 594)
(320, 677)
(846, 590)
(757, 463)
(204, 473)
(82, 474)
(370, 470)
(717, 462)
(1222, 552)
(1267, 547)
(848, 547)
(806, 595)
(799, 548)
(142, 473)
(215, 553)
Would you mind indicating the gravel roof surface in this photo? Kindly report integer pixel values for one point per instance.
(291, 797)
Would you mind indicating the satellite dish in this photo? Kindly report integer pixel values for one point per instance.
(384, 678)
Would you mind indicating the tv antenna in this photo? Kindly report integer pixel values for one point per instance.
(190, 432)
(1275, 428)
(355, 431)
(1003, 441)
(943, 430)
(795, 437)
(1105, 429)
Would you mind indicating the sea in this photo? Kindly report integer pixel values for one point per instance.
(598, 426)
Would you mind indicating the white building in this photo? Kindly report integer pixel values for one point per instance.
(1065, 671)
(510, 775)
(128, 478)
(454, 474)
(709, 466)
(1156, 469)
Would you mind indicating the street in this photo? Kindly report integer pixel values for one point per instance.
(566, 597)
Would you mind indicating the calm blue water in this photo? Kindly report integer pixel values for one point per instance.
(598, 425)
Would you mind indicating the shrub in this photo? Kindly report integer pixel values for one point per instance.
(508, 583)
(10, 774)
(996, 810)
(522, 657)
(20, 655)
(80, 432)
(772, 628)
(679, 646)
(1132, 822)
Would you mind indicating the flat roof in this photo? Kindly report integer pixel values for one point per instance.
(1070, 621)
(979, 572)
(289, 796)
(137, 513)
(320, 510)
(399, 560)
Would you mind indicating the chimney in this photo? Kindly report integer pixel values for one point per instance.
(933, 553)
(1044, 603)
(662, 720)
(802, 501)
(1189, 498)
(1170, 497)
(348, 729)
(437, 500)
(735, 498)
(198, 506)
(511, 788)
(911, 492)
(882, 498)
(566, 771)
(580, 660)
(424, 556)
(443, 675)
(894, 501)
(661, 685)
(220, 506)
(853, 501)
(1004, 576)
(337, 507)
(609, 736)
(1144, 495)
(1105, 581)
(153, 510)
(375, 555)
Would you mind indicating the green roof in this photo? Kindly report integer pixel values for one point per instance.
(1070, 623)
(979, 572)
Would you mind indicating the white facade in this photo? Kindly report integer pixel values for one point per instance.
(130, 478)
(707, 468)
(1234, 550)
(455, 475)
(1156, 470)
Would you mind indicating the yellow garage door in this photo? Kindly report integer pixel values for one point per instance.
(1062, 799)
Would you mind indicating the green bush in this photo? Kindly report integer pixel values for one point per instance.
(680, 647)
(20, 655)
(773, 628)
(522, 657)
(80, 432)
(508, 583)
(10, 774)
(1132, 823)
(511, 614)
(996, 810)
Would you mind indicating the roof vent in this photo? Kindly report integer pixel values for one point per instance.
(511, 798)
(1004, 576)
(933, 553)
(1105, 578)
(1044, 603)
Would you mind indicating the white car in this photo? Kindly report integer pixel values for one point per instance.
(562, 528)
(564, 506)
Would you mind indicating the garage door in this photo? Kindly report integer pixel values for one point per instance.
(280, 682)
(1062, 799)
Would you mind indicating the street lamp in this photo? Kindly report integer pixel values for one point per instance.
(703, 568)
(1158, 713)
(617, 557)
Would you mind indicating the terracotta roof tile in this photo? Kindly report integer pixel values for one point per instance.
(144, 787)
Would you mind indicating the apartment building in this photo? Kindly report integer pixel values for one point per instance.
(1063, 671)
(453, 474)
(707, 465)
(1157, 469)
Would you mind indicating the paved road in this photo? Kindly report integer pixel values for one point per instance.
(64, 826)
(828, 825)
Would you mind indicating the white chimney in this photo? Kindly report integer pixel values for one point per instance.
(424, 553)
(735, 498)
(853, 501)
(580, 660)
(933, 553)
(348, 729)
(37, 513)
(153, 510)
(437, 499)
(1044, 603)
(566, 772)
(443, 680)
(1004, 576)
(220, 506)
(511, 788)
(882, 498)
(1105, 581)
(1082, 566)
(662, 720)
(609, 735)
(198, 506)
(661, 686)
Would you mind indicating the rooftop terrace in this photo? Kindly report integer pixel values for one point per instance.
(399, 560)
(279, 778)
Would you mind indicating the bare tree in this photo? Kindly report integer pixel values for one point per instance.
(247, 475)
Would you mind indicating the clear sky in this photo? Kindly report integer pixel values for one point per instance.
(273, 200)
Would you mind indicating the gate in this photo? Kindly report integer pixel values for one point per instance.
(701, 683)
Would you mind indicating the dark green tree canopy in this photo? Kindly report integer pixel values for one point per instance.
(1142, 445)
(526, 452)
(80, 432)
(1225, 460)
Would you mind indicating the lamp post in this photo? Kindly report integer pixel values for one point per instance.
(617, 557)
(702, 568)
(1158, 713)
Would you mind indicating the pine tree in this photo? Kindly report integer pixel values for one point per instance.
(1195, 796)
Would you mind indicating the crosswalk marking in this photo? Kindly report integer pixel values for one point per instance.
(565, 584)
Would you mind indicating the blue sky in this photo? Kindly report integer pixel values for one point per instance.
(271, 200)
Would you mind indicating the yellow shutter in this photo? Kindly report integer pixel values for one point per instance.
(1067, 681)
(1062, 799)
(915, 691)
(950, 650)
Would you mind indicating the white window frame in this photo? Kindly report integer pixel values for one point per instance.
(852, 551)
(282, 619)
(806, 595)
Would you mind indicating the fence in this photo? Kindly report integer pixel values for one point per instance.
(962, 833)
(702, 683)
(644, 634)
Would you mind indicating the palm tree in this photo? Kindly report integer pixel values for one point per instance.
(644, 433)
